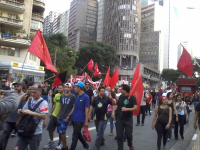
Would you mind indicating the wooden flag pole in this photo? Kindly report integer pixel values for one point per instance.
(84, 68)
(48, 79)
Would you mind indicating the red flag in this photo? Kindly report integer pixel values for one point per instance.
(107, 78)
(83, 74)
(96, 73)
(114, 79)
(185, 62)
(60, 79)
(39, 48)
(90, 65)
(137, 91)
(135, 76)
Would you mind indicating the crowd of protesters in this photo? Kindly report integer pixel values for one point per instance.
(80, 103)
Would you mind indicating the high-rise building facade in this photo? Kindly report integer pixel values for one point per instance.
(152, 36)
(19, 21)
(48, 22)
(100, 22)
(82, 23)
(122, 30)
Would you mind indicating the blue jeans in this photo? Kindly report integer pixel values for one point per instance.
(169, 134)
(99, 128)
(111, 124)
(195, 104)
(45, 97)
(93, 113)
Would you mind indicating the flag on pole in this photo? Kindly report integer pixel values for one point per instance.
(39, 48)
(107, 78)
(60, 79)
(137, 91)
(135, 76)
(90, 65)
(96, 73)
(83, 74)
(185, 62)
(114, 79)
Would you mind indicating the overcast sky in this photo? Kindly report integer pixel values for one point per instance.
(57, 6)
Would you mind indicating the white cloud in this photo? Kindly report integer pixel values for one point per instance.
(57, 6)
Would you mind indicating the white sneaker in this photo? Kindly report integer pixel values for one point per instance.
(49, 145)
(59, 146)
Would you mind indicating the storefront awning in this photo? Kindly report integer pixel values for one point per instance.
(28, 71)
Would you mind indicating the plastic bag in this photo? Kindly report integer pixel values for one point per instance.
(86, 135)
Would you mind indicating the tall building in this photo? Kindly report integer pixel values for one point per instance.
(82, 23)
(61, 24)
(145, 3)
(100, 22)
(19, 21)
(48, 22)
(122, 30)
(152, 36)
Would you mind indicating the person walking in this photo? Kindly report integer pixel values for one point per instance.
(53, 123)
(100, 104)
(142, 109)
(12, 118)
(39, 115)
(197, 116)
(163, 113)
(148, 103)
(182, 112)
(66, 109)
(124, 117)
(188, 103)
(158, 95)
(80, 116)
(109, 113)
(195, 98)
(153, 93)
(45, 92)
(171, 104)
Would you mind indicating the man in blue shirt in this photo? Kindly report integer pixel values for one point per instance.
(80, 116)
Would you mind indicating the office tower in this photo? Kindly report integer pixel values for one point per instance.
(152, 36)
(82, 23)
(122, 30)
(48, 22)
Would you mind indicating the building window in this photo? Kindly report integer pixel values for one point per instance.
(9, 51)
(32, 57)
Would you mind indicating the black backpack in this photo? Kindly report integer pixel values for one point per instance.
(28, 124)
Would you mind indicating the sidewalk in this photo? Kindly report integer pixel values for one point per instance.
(196, 145)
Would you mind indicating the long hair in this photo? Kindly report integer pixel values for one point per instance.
(113, 95)
(177, 101)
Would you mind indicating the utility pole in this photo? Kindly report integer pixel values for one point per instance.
(55, 58)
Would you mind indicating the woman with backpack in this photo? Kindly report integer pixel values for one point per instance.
(182, 113)
(163, 114)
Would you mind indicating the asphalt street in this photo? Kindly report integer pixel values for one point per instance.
(144, 138)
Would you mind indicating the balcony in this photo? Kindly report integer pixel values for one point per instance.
(18, 41)
(35, 25)
(9, 22)
(39, 5)
(12, 6)
(37, 17)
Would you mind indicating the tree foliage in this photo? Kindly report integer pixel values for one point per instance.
(101, 53)
(171, 74)
(66, 57)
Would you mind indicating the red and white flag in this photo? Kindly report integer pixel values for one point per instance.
(90, 65)
(96, 73)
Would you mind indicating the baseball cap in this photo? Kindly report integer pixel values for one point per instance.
(80, 84)
(17, 83)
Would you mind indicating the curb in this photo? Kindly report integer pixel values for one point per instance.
(195, 143)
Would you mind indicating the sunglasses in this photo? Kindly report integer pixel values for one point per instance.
(87, 84)
(3, 81)
(37, 89)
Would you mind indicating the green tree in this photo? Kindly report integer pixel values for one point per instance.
(101, 53)
(171, 74)
(66, 57)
